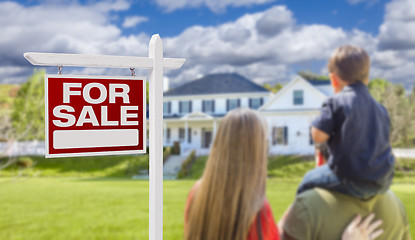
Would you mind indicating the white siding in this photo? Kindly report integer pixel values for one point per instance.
(312, 97)
(298, 133)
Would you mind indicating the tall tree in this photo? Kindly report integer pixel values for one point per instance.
(28, 116)
(401, 110)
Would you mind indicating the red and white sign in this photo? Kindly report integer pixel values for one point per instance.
(94, 115)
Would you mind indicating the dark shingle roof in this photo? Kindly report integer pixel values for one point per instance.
(318, 82)
(217, 84)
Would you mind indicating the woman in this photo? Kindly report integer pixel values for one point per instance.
(229, 201)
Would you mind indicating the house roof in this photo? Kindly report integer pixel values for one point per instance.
(318, 82)
(217, 84)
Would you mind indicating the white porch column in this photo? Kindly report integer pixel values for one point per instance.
(186, 129)
(214, 129)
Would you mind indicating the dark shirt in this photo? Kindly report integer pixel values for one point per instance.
(359, 129)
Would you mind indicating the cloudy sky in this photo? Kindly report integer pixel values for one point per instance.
(264, 40)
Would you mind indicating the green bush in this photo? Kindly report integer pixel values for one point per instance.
(176, 148)
(24, 162)
(187, 165)
(166, 153)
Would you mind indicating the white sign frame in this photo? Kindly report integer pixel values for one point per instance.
(86, 154)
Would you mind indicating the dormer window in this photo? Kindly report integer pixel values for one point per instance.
(298, 97)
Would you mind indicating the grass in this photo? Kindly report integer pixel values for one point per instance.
(293, 168)
(67, 203)
(78, 208)
(103, 166)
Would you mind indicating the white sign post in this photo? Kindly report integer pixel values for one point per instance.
(156, 64)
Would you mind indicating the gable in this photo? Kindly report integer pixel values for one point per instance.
(312, 98)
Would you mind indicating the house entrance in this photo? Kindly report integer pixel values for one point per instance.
(206, 138)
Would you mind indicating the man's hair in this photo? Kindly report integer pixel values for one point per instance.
(324, 150)
(351, 64)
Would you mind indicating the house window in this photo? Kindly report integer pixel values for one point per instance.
(166, 108)
(232, 104)
(255, 103)
(298, 97)
(208, 106)
(189, 135)
(279, 135)
(185, 106)
(181, 134)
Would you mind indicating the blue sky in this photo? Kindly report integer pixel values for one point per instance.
(264, 40)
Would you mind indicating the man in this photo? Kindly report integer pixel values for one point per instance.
(323, 214)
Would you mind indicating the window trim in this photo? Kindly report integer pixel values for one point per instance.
(238, 103)
(298, 98)
(284, 135)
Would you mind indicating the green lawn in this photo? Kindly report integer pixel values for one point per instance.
(76, 208)
(102, 207)
(101, 166)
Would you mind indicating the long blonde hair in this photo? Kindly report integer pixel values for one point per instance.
(232, 188)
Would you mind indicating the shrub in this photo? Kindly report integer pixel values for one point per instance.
(24, 162)
(166, 153)
(176, 148)
(187, 165)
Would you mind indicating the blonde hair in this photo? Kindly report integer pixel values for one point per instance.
(351, 64)
(232, 188)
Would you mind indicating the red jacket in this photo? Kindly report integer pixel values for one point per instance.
(268, 226)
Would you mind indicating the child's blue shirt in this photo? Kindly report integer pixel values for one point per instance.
(359, 129)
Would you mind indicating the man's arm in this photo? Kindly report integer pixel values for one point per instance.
(296, 222)
(318, 135)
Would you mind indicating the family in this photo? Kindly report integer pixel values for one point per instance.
(346, 198)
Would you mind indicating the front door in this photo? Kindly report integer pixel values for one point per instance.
(206, 139)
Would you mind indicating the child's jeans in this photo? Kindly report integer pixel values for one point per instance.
(324, 177)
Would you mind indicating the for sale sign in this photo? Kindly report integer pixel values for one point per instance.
(95, 115)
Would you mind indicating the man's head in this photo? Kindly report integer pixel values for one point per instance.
(348, 65)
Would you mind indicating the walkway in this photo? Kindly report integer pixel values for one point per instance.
(172, 166)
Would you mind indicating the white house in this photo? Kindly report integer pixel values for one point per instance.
(290, 112)
(193, 111)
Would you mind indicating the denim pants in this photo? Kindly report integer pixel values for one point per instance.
(324, 177)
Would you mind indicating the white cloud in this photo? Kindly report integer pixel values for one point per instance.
(274, 20)
(71, 29)
(263, 55)
(264, 46)
(214, 5)
(397, 31)
(132, 21)
(370, 2)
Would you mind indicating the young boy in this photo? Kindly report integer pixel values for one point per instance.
(356, 128)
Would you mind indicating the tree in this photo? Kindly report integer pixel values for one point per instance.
(28, 115)
(312, 76)
(401, 110)
(273, 89)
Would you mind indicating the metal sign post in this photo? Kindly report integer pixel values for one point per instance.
(156, 64)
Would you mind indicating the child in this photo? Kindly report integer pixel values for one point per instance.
(357, 130)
